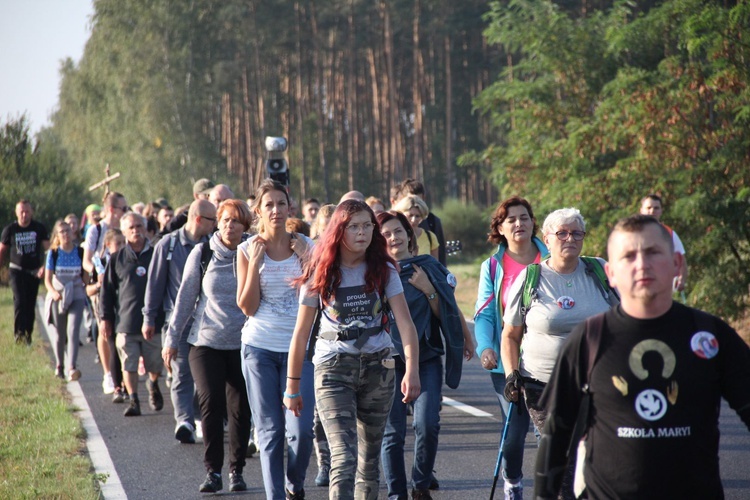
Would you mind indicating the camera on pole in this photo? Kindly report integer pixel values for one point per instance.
(277, 167)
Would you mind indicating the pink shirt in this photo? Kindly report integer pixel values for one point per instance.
(511, 270)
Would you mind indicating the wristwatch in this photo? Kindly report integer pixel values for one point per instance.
(432, 296)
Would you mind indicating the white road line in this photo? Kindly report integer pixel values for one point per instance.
(112, 487)
(466, 408)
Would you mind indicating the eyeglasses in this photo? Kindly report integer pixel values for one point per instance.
(564, 235)
(356, 228)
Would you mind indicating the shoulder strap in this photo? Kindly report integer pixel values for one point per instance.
(206, 254)
(533, 271)
(493, 270)
(172, 243)
(80, 256)
(594, 266)
(590, 344)
(98, 236)
(54, 258)
(429, 237)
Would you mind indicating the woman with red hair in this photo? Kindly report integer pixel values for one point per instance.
(348, 280)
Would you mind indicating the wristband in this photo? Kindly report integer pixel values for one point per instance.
(291, 396)
(294, 378)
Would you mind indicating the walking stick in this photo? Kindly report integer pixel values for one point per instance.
(500, 451)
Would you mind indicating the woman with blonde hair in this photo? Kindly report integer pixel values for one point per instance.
(64, 279)
(416, 210)
(322, 219)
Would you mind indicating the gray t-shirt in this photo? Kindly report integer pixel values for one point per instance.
(562, 302)
(353, 307)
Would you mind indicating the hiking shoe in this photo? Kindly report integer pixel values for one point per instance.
(252, 448)
(134, 410)
(513, 491)
(155, 399)
(421, 494)
(74, 375)
(118, 396)
(212, 484)
(108, 385)
(322, 478)
(236, 483)
(185, 433)
(300, 495)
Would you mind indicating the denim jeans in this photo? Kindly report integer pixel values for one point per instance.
(182, 391)
(426, 424)
(354, 394)
(517, 429)
(265, 379)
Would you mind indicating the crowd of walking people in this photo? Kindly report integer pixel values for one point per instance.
(321, 334)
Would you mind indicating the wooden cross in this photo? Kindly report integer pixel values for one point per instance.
(105, 182)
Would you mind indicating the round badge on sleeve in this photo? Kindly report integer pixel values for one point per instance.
(565, 302)
(704, 345)
(140, 271)
(451, 279)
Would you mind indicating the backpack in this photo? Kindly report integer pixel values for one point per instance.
(533, 271)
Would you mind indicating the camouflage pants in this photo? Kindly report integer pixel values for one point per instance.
(354, 394)
(532, 392)
(322, 452)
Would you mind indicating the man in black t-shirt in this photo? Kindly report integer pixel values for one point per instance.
(26, 240)
(659, 374)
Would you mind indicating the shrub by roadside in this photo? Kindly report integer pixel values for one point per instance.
(41, 440)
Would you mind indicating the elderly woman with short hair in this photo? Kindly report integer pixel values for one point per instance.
(567, 292)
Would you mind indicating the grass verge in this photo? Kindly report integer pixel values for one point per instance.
(42, 449)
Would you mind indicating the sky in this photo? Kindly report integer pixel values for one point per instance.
(35, 36)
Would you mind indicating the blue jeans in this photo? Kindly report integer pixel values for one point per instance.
(426, 424)
(265, 379)
(182, 391)
(517, 429)
(354, 394)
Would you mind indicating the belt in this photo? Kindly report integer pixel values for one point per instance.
(16, 267)
(356, 333)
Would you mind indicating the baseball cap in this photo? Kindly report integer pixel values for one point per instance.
(202, 186)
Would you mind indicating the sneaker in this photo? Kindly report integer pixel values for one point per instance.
(108, 385)
(60, 373)
(322, 478)
(96, 359)
(118, 396)
(236, 483)
(155, 399)
(212, 484)
(513, 491)
(185, 433)
(421, 494)
(299, 495)
(28, 338)
(252, 448)
(134, 410)
(74, 375)
(19, 336)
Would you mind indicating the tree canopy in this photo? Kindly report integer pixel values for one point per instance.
(603, 106)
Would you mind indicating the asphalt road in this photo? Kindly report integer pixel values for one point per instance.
(150, 463)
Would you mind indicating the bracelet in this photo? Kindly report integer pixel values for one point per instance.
(294, 378)
(291, 396)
